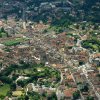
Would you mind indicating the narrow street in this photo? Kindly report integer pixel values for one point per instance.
(90, 83)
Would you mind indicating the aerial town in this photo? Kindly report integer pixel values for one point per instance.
(43, 61)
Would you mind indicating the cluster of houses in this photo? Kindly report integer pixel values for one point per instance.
(31, 9)
(77, 66)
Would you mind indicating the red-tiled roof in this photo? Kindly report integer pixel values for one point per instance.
(69, 92)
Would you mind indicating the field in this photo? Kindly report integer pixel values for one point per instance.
(4, 89)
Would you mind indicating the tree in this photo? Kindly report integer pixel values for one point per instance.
(90, 98)
(34, 95)
(81, 63)
(1, 97)
(22, 97)
(6, 79)
(52, 96)
(45, 31)
(2, 30)
(84, 87)
(7, 34)
(26, 97)
(14, 77)
(21, 83)
(44, 94)
(76, 95)
(0, 35)
(13, 86)
(9, 93)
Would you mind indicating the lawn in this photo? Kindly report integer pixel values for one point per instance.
(17, 93)
(40, 69)
(4, 34)
(4, 89)
(24, 71)
(14, 41)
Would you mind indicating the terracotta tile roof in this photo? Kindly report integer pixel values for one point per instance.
(69, 77)
(96, 55)
(69, 92)
(57, 65)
